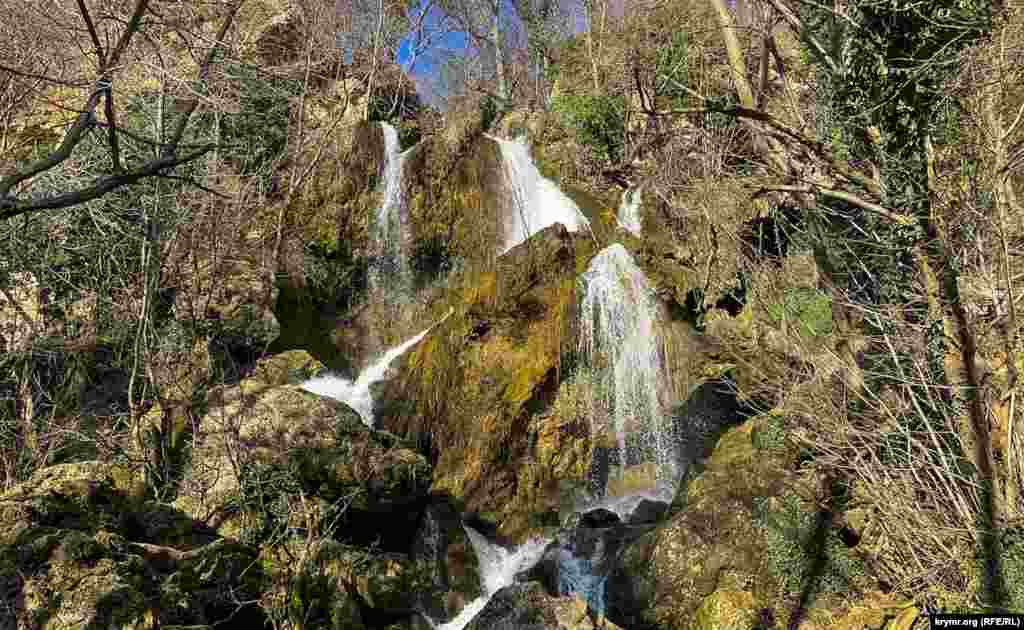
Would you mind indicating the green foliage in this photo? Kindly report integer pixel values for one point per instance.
(430, 259)
(334, 276)
(257, 134)
(769, 433)
(947, 123)
(1012, 565)
(672, 70)
(598, 121)
(264, 492)
(79, 547)
(409, 133)
(800, 557)
(488, 112)
(808, 309)
(715, 120)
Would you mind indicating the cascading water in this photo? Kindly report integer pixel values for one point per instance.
(498, 569)
(391, 266)
(356, 394)
(629, 211)
(536, 202)
(622, 364)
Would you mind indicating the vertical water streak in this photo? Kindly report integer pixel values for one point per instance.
(388, 229)
(629, 211)
(536, 202)
(620, 355)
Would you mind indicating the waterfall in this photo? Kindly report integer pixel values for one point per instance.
(357, 393)
(536, 202)
(498, 569)
(622, 365)
(390, 216)
(629, 211)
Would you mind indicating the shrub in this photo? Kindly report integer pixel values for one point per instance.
(488, 112)
(672, 70)
(809, 309)
(598, 122)
(334, 276)
(258, 133)
(769, 433)
(799, 557)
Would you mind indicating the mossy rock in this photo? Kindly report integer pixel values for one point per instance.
(474, 382)
(86, 496)
(726, 610)
(267, 437)
(288, 368)
(63, 570)
(713, 544)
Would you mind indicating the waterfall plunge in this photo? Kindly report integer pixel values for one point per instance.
(620, 350)
(356, 394)
(498, 569)
(390, 216)
(536, 202)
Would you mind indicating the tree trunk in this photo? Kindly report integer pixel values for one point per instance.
(732, 45)
(499, 54)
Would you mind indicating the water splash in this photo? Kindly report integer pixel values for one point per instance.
(356, 394)
(498, 569)
(388, 232)
(623, 369)
(629, 211)
(537, 202)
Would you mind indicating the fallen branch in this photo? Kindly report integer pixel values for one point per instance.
(895, 217)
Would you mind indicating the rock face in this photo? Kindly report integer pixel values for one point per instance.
(442, 545)
(472, 390)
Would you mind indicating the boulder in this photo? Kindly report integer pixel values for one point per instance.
(268, 436)
(752, 543)
(82, 547)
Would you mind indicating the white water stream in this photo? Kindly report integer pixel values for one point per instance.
(356, 394)
(391, 214)
(498, 568)
(619, 344)
(536, 201)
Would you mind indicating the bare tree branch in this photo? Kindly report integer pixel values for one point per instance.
(895, 217)
(87, 18)
(12, 207)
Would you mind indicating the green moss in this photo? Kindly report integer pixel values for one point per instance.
(799, 556)
(1011, 564)
(808, 309)
(726, 610)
